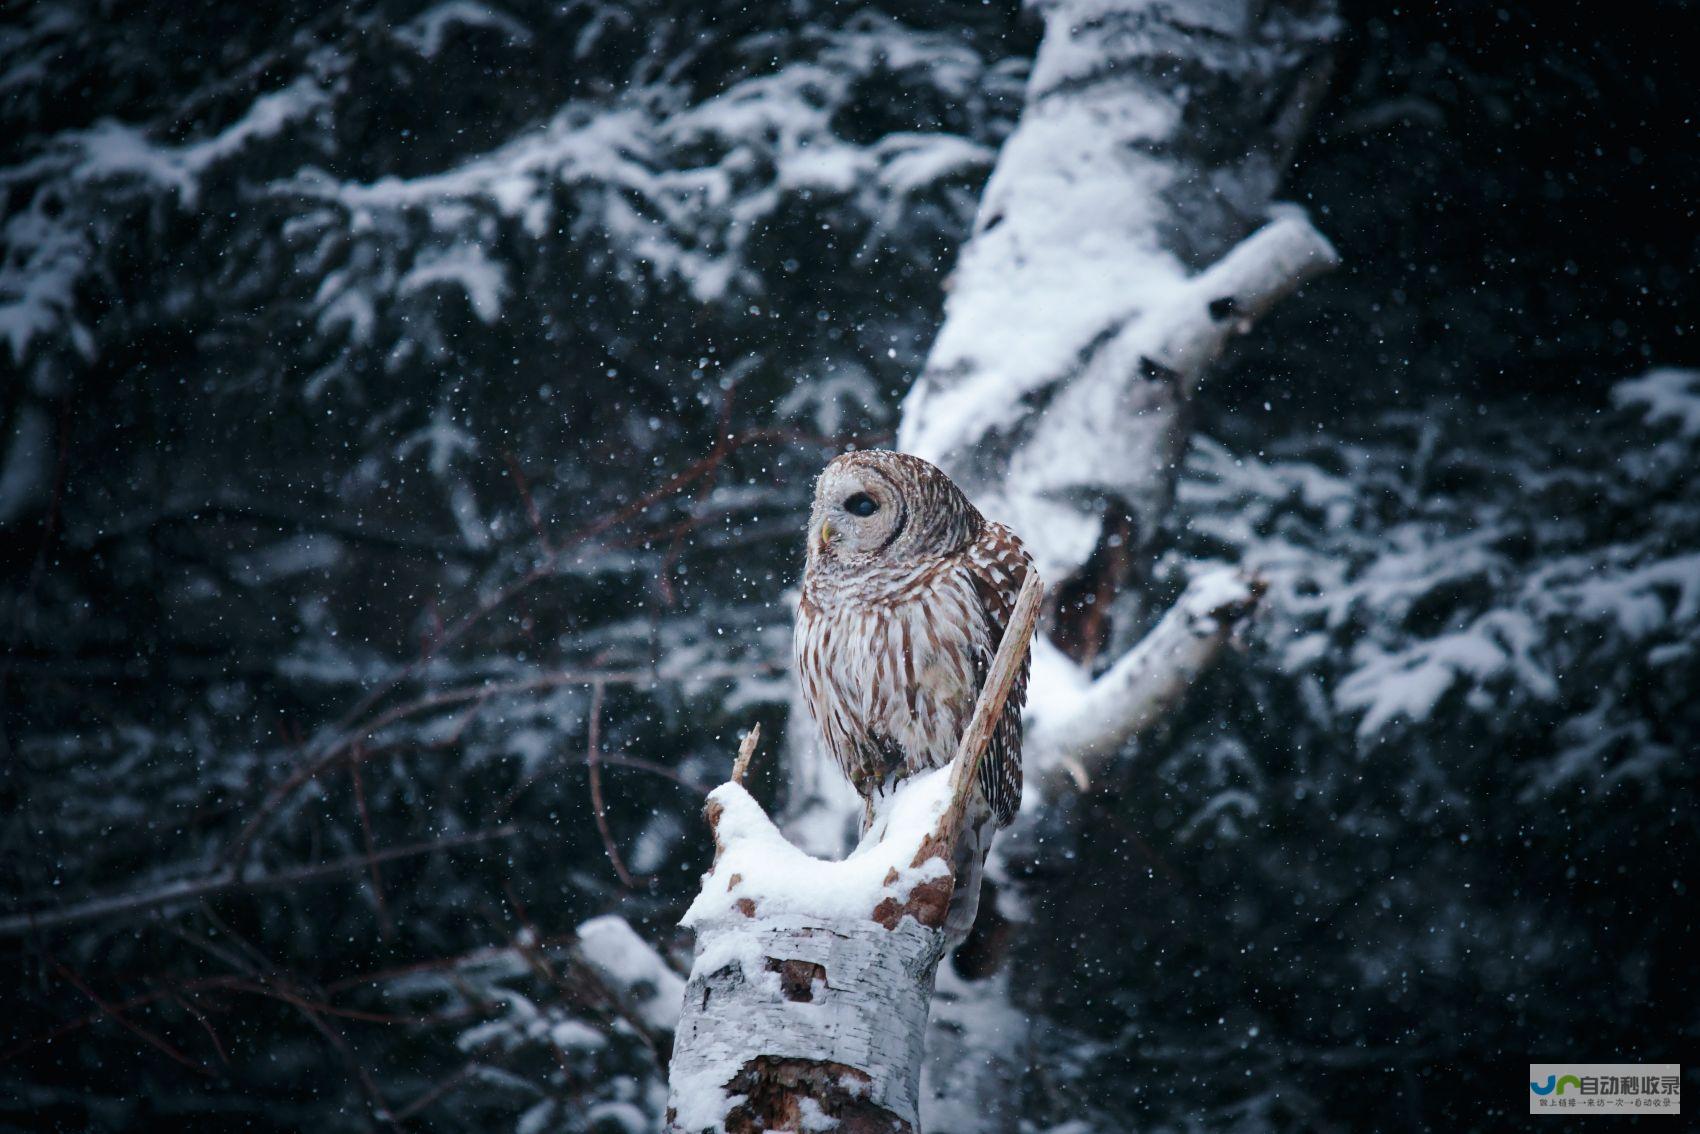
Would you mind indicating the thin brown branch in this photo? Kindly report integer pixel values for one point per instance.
(611, 760)
(353, 727)
(344, 747)
(200, 1018)
(368, 1087)
(443, 1087)
(244, 981)
(112, 1012)
(746, 753)
(592, 760)
(531, 512)
(977, 737)
(227, 882)
(386, 926)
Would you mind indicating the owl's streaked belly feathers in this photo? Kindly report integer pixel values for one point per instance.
(891, 668)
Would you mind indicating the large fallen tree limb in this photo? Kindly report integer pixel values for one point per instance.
(808, 1000)
(1079, 723)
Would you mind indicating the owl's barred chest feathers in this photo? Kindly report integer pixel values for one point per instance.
(896, 676)
(895, 635)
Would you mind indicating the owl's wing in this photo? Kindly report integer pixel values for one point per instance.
(998, 565)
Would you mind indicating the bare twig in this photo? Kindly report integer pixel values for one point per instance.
(531, 513)
(609, 760)
(251, 984)
(977, 737)
(345, 746)
(200, 1017)
(117, 1016)
(746, 753)
(442, 1088)
(592, 758)
(386, 926)
(362, 1077)
(227, 882)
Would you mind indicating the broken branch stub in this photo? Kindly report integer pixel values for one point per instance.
(746, 753)
(809, 994)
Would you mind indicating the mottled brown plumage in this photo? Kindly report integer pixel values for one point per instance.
(906, 594)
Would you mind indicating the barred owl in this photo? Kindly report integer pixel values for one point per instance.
(906, 594)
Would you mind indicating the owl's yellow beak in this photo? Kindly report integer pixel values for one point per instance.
(825, 536)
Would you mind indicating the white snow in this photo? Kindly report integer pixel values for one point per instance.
(867, 1010)
(287, 558)
(780, 879)
(1664, 394)
(45, 258)
(1640, 598)
(1213, 591)
(1075, 720)
(537, 1119)
(28, 456)
(485, 281)
(814, 1120)
(626, 962)
(113, 149)
(621, 1116)
(427, 32)
(1068, 292)
(824, 397)
(655, 842)
(1410, 682)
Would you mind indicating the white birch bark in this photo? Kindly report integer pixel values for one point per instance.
(1095, 289)
(808, 999)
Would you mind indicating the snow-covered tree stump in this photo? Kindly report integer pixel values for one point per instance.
(808, 999)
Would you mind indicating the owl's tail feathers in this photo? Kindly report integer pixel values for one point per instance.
(970, 864)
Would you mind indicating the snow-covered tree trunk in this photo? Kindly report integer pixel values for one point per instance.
(809, 996)
(1127, 231)
(1102, 277)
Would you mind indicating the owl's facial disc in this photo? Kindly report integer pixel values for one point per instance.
(858, 513)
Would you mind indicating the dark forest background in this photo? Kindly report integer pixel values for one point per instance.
(407, 416)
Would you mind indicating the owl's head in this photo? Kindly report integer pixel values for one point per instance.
(876, 507)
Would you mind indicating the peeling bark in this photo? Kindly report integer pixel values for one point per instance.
(803, 1094)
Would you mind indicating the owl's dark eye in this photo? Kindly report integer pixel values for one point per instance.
(861, 504)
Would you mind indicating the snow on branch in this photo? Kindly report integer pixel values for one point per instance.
(1078, 724)
(808, 999)
(1664, 393)
(645, 986)
(1110, 263)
